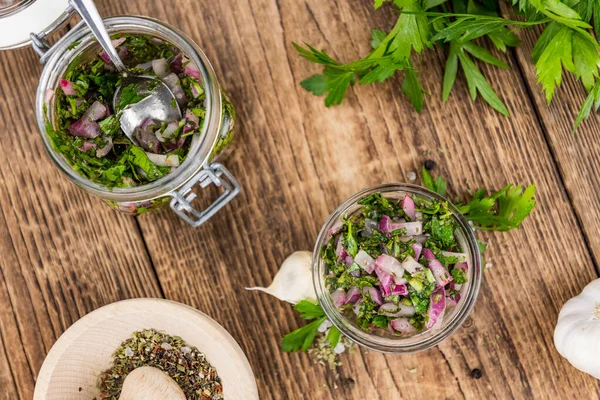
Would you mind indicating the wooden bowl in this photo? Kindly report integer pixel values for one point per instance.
(71, 369)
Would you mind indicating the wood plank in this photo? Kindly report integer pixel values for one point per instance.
(577, 155)
(64, 253)
(298, 160)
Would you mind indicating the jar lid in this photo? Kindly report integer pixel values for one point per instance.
(20, 18)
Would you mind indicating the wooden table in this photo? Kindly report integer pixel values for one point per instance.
(64, 254)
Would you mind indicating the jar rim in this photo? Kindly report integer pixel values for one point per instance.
(423, 340)
(201, 146)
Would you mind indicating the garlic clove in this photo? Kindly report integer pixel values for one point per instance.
(293, 281)
(149, 383)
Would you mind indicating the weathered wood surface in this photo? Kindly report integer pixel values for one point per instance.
(64, 254)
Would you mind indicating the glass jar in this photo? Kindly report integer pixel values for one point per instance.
(199, 168)
(423, 340)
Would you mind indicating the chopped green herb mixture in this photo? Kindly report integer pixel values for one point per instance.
(396, 264)
(87, 129)
(466, 30)
(186, 365)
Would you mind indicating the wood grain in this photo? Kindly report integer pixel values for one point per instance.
(577, 154)
(64, 253)
(310, 159)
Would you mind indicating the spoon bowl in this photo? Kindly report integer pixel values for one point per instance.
(159, 104)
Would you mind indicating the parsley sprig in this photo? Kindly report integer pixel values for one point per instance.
(502, 211)
(303, 338)
(566, 44)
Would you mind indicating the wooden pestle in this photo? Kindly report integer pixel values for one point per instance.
(149, 383)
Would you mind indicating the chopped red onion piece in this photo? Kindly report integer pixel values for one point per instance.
(412, 228)
(348, 260)
(164, 160)
(49, 95)
(84, 128)
(123, 52)
(144, 66)
(411, 265)
(357, 306)
(374, 294)
(392, 310)
(385, 223)
(172, 81)
(87, 146)
(160, 67)
(400, 289)
(440, 273)
(116, 43)
(390, 265)
(145, 136)
(195, 92)
(365, 261)
(67, 87)
(437, 305)
(339, 298)
(335, 229)
(438, 324)
(462, 265)
(103, 151)
(452, 300)
(385, 281)
(417, 248)
(96, 112)
(353, 295)
(157, 41)
(403, 326)
(408, 205)
(388, 308)
(127, 181)
(191, 121)
(192, 70)
(177, 64)
(168, 132)
(340, 252)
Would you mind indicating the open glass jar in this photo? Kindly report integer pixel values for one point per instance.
(198, 169)
(393, 343)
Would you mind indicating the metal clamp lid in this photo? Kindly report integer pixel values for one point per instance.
(213, 173)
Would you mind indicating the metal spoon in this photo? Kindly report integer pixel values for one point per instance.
(160, 104)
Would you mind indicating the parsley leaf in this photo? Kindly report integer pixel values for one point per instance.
(502, 211)
(309, 310)
(477, 83)
(302, 338)
(438, 185)
(333, 337)
(129, 95)
(592, 100)
(139, 158)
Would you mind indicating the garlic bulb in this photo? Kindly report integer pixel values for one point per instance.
(577, 333)
(293, 282)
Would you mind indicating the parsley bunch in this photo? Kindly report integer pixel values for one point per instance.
(567, 43)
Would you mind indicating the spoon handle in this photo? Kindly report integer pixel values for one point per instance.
(89, 13)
